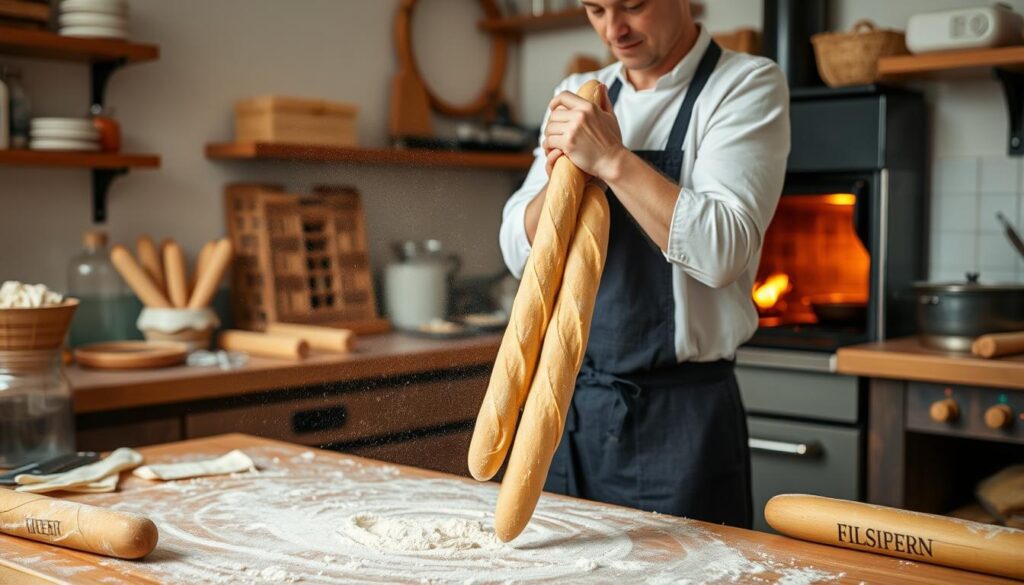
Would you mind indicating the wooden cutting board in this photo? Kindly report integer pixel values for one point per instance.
(318, 517)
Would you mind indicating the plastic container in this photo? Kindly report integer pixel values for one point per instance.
(107, 308)
(21, 108)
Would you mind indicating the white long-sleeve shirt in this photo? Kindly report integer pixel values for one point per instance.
(734, 165)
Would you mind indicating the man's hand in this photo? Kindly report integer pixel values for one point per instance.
(588, 134)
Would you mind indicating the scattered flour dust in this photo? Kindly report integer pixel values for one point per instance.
(331, 522)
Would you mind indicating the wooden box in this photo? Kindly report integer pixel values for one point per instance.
(279, 119)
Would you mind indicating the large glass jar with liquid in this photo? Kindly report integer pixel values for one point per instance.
(107, 310)
(35, 407)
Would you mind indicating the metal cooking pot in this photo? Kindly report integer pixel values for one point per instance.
(951, 315)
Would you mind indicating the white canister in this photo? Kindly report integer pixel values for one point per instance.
(415, 293)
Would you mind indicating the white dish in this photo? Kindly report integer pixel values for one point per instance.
(65, 134)
(62, 123)
(93, 32)
(93, 19)
(104, 6)
(54, 144)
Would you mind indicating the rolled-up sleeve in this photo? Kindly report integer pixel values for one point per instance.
(717, 226)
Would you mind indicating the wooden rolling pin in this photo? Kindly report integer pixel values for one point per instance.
(262, 344)
(996, 345)
(137, 279)
(176, 274)
(321, 338)
(79, 526)
(928, 538)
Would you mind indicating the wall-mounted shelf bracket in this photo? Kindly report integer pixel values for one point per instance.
(101, 180)
(99, 75)
(1013, 88)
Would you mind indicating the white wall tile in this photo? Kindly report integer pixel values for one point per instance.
(999, 175)
(955, 176)
(955, 214)
(996, 253)
(941, 274)
(990, 204)
(956, 251)
(998, 276)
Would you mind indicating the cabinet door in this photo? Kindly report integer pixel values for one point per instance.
(137, 434)
(805, 458)
(350, 416)
(442, 452)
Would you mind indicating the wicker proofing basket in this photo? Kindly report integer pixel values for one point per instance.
(851, 58)
(36, 328)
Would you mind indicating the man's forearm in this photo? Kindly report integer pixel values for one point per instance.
(645, 193)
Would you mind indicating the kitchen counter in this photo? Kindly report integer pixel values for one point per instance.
(377, 356)
(906, 359)
(311, 516)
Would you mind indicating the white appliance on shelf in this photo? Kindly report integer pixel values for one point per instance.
(967, 28)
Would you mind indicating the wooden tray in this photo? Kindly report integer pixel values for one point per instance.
(131, 355)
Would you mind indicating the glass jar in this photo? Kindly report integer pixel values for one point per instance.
(36, 420)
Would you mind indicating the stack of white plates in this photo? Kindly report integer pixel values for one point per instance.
(64, 134)
(94, 18)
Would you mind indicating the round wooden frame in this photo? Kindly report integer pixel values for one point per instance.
(488, 98)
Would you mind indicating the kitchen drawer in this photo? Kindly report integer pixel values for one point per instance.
(817, 395)
(350, 416)
(829, 464)
(134, 434)
(443, 452)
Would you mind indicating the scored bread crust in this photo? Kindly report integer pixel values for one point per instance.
(565, 343)
(520, 346)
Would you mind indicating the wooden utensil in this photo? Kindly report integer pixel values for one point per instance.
(150, 259)
(202, 261)
(69, 524)
(322, 338)
(206, 283)
(175, 271)
(137, 279)
(998, 344)
(928, 538)
(131, 355)
(263, 344)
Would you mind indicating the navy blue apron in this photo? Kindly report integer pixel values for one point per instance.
(644, 430)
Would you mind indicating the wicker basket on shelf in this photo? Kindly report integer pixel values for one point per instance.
(851, 58)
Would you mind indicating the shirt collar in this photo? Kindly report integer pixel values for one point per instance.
(682, 73)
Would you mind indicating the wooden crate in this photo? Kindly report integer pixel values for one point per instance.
(300, 258)
(276, 119)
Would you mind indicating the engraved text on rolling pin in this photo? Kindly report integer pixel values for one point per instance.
(44, 527)
(885, 540)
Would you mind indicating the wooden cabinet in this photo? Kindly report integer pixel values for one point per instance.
(129, 434)
(439, 452)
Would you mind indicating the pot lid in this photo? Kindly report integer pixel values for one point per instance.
(970, 284)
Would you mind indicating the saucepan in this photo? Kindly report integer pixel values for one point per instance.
(951, 315)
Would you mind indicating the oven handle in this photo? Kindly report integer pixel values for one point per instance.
(808, 449)
(862, 214)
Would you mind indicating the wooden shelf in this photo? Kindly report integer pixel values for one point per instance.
(378, 156)
(575, 17)
(47, 45)
(87, 160)
(952, 63)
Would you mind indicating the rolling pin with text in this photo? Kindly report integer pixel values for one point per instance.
(79, 526)
(927, 538)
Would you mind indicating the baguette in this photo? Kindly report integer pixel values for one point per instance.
(561, 356)
(531, 311)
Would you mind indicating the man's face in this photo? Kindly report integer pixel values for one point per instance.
(640, 33)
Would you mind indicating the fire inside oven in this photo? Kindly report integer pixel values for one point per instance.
(814, 269)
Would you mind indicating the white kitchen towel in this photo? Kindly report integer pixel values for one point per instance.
(99, 476)
(233, 462)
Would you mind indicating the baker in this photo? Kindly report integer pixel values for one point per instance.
(691, 142)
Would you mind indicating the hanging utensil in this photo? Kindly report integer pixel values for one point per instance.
(1011, 233)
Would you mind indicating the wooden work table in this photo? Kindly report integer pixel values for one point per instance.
(405, 399)
(306, 516)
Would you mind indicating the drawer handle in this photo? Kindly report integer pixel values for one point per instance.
(810, 449)
(319, 419)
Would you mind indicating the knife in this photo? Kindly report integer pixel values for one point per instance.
(57, 464)
(1011, 233)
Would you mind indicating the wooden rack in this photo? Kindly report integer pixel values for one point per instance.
(104, 56)
(378, 156)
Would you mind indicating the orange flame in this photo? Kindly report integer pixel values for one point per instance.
(767, 294)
